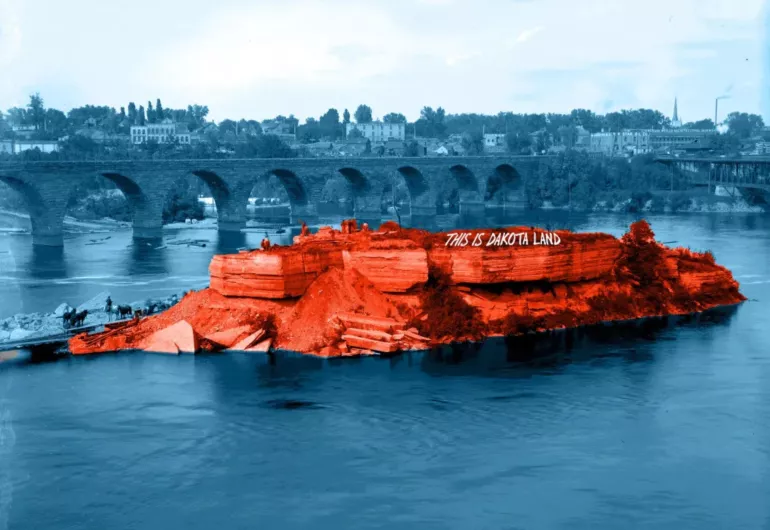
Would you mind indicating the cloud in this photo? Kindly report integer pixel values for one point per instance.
(10, 32)
(304, 56)
(525, 35)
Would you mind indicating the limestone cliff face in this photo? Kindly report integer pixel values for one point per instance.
(399, 262)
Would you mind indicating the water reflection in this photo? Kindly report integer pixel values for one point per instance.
(230, 242)
(556, 349)
(146, 257)
(46, 263)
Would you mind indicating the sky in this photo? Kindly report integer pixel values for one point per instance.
(260, 58)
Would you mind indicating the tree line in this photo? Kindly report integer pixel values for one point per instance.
(523, 133)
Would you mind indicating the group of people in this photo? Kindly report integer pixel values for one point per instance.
(74, 318)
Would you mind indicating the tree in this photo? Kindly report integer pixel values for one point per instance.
(587, 119)
(473, 143)
(346, 117)
(518, 143)
(197, 115)
(355, 132)
(132, 113)
(744, 125)
(159, 113)
(567, 135)
(17, 116)
(329, 124)
(310, 131)
(227, 126)
(363, 114)
(140, 115)
(36, 111)
(700, 124)
(412, 148)
(150, 113)
(122, 113)
(270, 146)
(432, 122)
(394, 117)
(55, 122)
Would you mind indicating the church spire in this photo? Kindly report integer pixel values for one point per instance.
(675, 118)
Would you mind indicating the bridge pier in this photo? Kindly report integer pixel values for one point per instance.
(368, 209)
(472, 209)
(423, 216)
(303, 213)
(47, 218)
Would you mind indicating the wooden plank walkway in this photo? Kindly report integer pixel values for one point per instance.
(54, 339)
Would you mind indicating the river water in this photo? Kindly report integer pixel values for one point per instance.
(666, 430)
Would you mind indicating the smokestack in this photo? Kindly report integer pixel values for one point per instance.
(716, 108)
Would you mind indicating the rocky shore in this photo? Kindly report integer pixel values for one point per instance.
(25, 326)
(356, 292)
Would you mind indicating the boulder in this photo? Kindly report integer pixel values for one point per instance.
(63, 308)
(370, 344)
(181, 334)
(249, 341)
(20, 334)
(228, 337)
(96, 303)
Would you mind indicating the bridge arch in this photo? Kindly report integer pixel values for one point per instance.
(46, 218)
(358, 181)
(505, 179)
(298, 195)
(146, 208)
(465, 178)
(416, 182)
(290, 188)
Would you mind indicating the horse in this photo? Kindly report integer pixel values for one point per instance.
(78, 318)
(67, 316)
(125, 310)
(108, 308)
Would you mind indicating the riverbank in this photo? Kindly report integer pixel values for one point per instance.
(24, 326)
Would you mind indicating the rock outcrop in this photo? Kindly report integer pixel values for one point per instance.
(372, 293)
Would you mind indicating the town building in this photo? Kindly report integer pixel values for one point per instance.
(378, 131)
(164, 132)
(639, 141)
(282, 129)
(494, 140)
(6, 147)
(23, 131)
(675, 138)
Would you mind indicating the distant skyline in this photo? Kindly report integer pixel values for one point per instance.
(258, 59)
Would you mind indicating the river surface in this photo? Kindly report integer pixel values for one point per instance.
(668, 430)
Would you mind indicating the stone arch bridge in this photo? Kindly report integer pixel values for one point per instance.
(46, 186)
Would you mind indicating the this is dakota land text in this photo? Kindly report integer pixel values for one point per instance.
(502, 239)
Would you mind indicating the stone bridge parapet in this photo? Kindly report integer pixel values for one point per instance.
(46, 186)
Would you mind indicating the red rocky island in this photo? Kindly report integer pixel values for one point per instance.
(356, 291)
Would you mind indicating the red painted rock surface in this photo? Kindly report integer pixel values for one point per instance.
(364, 293)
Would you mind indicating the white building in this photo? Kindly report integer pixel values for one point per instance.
(378, 131)
(494, 140)
(164, 132)
(45, 146)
